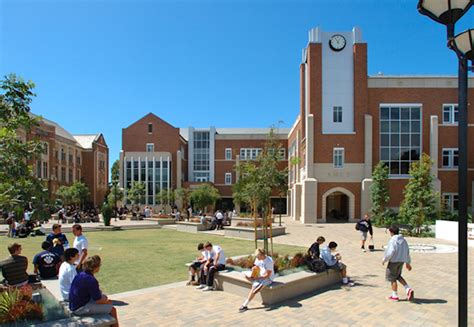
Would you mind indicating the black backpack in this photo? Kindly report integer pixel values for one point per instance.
(316, 265)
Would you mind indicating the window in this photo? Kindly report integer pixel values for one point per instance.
(201, 177)
(201, 143)
(228, 154)
(71, 179)
(63, 174)
(56, 154)
(78, 160)
(150, 128)
(450, 158)
(282, 154)
(150, 147)
(250, 153)
(450, 114)
(45, 170)
(63, 155)
(38, 169)
(337, 114)
(45, 148)
(451, 201)
(228, 178)
(400, 137)
(338, 157)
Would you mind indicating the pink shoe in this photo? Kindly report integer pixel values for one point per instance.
(393, 298)
(410, 294)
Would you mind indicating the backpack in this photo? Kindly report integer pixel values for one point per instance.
(357, 226)
(316, 265)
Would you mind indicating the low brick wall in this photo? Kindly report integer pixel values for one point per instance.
(236, 220)
(283, 288)
(249, 232)
(190, 227)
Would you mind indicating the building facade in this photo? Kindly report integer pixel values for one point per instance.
(166, 157)
(350, 121)
(69, 158)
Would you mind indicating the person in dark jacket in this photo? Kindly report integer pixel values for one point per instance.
(57, 234)
(364, 226)
(313, 251)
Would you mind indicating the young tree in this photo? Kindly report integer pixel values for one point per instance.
(419, 203)
(116, 194)
(136, 193)
(79, 193)
(18, 185)
(63, 193)
(379, 193)
(204, 195)
(183, 195)
(166, 197)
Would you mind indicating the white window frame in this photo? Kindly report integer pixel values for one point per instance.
(228, 154)
(449, 202)
(228, 179)
(452, 108)
(250, 153)
(450, 157)
(335, 153)
(337, 114)
(152, 145)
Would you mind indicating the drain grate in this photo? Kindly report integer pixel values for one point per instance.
(432, 248)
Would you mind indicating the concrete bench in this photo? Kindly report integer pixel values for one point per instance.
(190, 227)
(101, 320)
(283, 287)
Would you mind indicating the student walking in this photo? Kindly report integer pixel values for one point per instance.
(397, 254)
(364, 226)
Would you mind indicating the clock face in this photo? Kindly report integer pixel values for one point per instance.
(337, 42)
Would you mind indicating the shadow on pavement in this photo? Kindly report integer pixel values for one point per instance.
(428, 301)
(119, 303)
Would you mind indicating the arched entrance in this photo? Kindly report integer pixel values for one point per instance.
(338, 205)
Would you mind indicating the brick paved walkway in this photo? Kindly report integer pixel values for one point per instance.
(434, 279)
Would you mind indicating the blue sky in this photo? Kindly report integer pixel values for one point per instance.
(100, 65)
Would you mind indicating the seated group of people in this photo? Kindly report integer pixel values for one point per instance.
(71, 266)
(211, 260)
(327, 258)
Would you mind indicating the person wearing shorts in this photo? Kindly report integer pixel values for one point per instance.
(196, 265)
(264, 268)
(397, 254)
(333, 261)
(364, 226)
(85, 296)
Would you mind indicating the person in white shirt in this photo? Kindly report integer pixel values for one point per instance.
(80, 243)
(216, 262)
(266, 274)
(67, 272)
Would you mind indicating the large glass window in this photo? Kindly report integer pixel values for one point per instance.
(450, 158)
(201, 151)
(400, 137)
(129, 174)
(450, 114)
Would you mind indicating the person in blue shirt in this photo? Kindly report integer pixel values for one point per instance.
(333, 261)
(46, 263)
(85, 296)
(57, 234)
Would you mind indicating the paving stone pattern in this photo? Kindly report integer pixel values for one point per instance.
(434, 279)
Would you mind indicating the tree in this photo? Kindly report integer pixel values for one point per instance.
(79, 193)
(136, 193)
(419, 203)
(63, 193)
(165, 197)
(204, 195)
(115, 192)
(183, 195)
(379, 193)
(18, 185)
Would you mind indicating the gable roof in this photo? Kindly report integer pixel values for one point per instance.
(87, 140)
(152, 116)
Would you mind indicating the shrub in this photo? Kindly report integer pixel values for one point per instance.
(280, 262)
(17, 305)
(107, 213)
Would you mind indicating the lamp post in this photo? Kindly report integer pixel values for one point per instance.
(448, 12)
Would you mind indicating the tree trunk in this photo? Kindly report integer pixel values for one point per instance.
(254, 204)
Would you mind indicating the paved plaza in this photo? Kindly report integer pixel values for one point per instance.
(434, 279)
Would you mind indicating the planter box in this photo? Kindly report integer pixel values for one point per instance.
(190, 227)
(162, 221)
(283, 288)
(237, 220)
(249, 232)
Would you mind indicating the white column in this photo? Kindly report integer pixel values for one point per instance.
(124, 166)
(161, 173)
(309, 160)
(169, 171)
(139, 169)
(154, 181)
(178, 168)
(146, 179)
(368, 146)
(434, 145)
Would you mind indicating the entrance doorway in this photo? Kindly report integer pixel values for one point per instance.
(337, 207)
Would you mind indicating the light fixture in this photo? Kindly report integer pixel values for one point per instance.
(463, 44)
(444, 11)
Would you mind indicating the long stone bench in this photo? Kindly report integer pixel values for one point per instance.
(249, 232)
(190, 227)
(102, 320)
(283, 287)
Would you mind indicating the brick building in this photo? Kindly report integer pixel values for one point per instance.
(68, 158)
(350, 121)
(167, 157)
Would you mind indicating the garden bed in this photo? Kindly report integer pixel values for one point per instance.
(249, 232)
(190, 227)
(236, 220)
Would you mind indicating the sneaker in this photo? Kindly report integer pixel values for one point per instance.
(410, 294)
(363, 250)
(200, 287)
(394, 298)
(208, 288)
(243, 309)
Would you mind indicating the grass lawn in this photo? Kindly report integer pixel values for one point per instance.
(136, 259)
